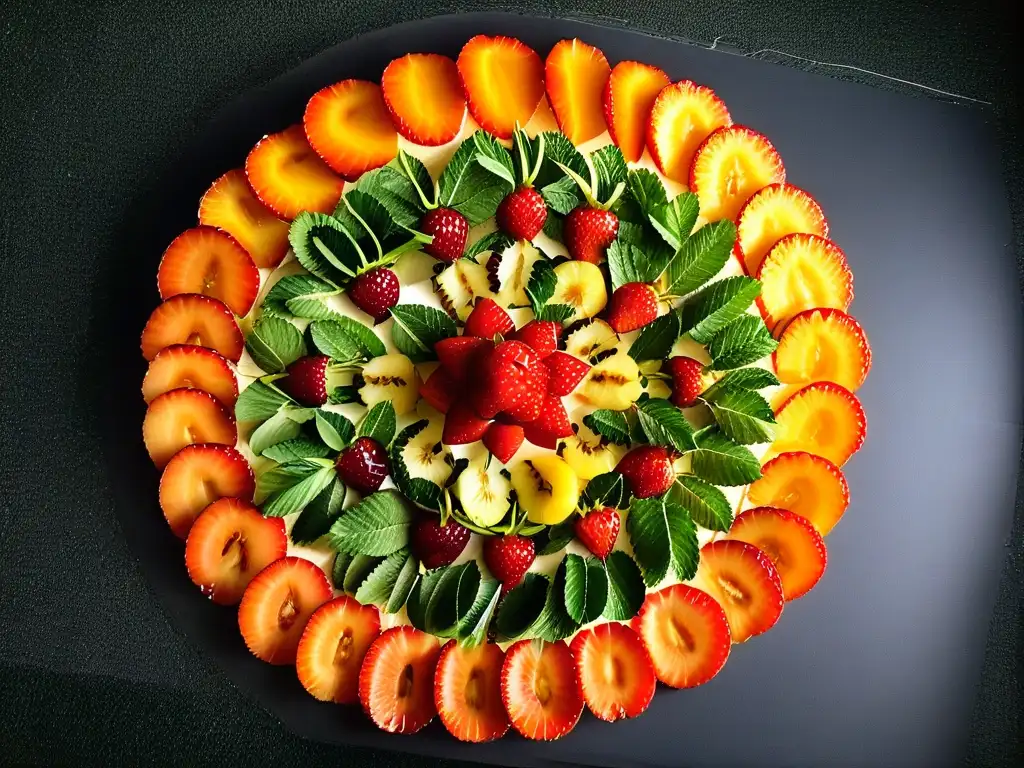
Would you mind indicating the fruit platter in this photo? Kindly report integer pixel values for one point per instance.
(504, 387)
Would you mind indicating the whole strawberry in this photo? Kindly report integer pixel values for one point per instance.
(588, 232)
(508, 558)
(449, 229)
(522, 214)
(598, 530)
(375, 292)
(687, 380)
(648, 470)
(632, 306)
(436, 545)
(363, 465)
(307, 380)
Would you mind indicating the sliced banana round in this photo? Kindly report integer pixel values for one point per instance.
(484, 491)
(589, 454)
(391, 377)
(581, 286)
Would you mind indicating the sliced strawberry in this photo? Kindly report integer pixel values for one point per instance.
(187, 365)
(289, 177)
(731, 165)
(462, 425)
(459, 353)
(598, 530)
(396, 682)
(575, 75)
(230, 204)
(424, 95)
(193, 319)
(503, 440)
(632, 306)
(439, 390)
(745, 583)
(648, 470)
(509, 381)
(541, 335)
(553, 419)
(503, 80)
(488, 320)
(824, 419)
(789, 539)
(210, 262)
(349, 126)
(539, 437)
(683, 116)
(615, 671)
(184, 417)
(628, 98)
(467, 692)
(823, 345)
(541, 689)
(566, 372)
(806, 484)
(196, 477)
(769, 215)
(229, 543)
(332, 647)
(803, 272)
(686, 634)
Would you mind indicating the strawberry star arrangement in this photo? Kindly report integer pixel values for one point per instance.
(505, 388)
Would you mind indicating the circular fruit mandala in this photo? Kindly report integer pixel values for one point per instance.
(496, 354)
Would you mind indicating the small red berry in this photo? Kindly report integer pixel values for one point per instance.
(648, 470)
(522, 214)
(632, 306)
(598, 530)
(687, 380)
(363, 465)
(588, 232)
(437, 545)
(375, 292)
(508, 558)
(449, 229)
(307, 380)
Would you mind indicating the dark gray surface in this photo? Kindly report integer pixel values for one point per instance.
(878, 664)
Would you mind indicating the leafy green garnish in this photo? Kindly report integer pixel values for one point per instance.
(675, 219)
(259, 401)
(610, 170)
(359, 569)
(319, 515)
(493, 242)
(379, 587)
(720, 461)
(299, 495)
(646, 189)
(554, 622)
(608, 490)
(274, 344)
(334, 429)
(418, 328)
(403, 187)
(296, 448)
(717, 305)
(277, 429)
(656, 339)
(586, 588)
(743, 415)
(629, 264)
(299, 296)
(378, 525)
(554, 539)
(611, 425)
(522, 606)
(541, 285)
(664, 424)
(470, 183)
(626, 589)
(562, 196)
(379, 423)
(743, 378)
(705, 503)
(700, 257)
(419, 490)
(346, 340)
(740, 343)
(663, 537)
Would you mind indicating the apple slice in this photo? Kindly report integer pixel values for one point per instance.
(575, 75)
(683, 116)
(188, 365)
(289, 177)
(769, 215)
(183, 417)
(349, 126)
(824, 419)
(795, 548)
(628, 98)
(809, 485)
(503, 79)
(424, 95)
(731, 165)
(196, 477)
(210, 262)
(823, 345)
(190, 318)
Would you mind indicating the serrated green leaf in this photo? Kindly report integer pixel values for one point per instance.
(276, 429)
(419, 598)
(720, 461)
(368, 221)
(378, 525)
(492, 242)
(707, 505)
(586, 588)
(743, 378)
(294, 287)
(419, 490)
(394, 187)
(359, 569)
(345, 394)
(646, 189)
(700, 257)
(473, 627)
(541, 285)
(297, 448)
(611, 425)
(319, 515)
(626, 590)
(324, 247)
(562, 196)
(274, 344)
(675, 219)
(418, 328)
(379, 423)
(376, 588)
(664, 424)
(554, 539)
(610, 169)
(624, 264)
(342, 561)
(743, 415)
(452, 600)
(558, 149)
(656, 339)
(555, 313)
(331, 339)
(404, 583)
(284, 476)
(554, 224)
(522, 607)
(299, 495)
(608, 490)
(258, 402)
(468, 186)
(554, 622)
(743, 341)
(663, 537)
(717, 305)
(365, 341)
(334, 429)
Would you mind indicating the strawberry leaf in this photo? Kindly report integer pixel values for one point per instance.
(379, 423)
(720, 461)
(743, 415)
(554, 224)
(554, 622)
(717, 305)
(646, 189)
(559, 150)
(421, 595)
(325, 247)
(494, 242)
(663, 537)
(418, 490)
(258, 402)
(630, 264)
(554, 539)
(319, 515)
(276, 429)
(743, 378)
(274, 344)
(367, 220)
(299, 495)
(674, 220)
(656, 339)
(541, 285)
(611, 172)
(418, 328)
(378, 525)
(740, 343)
(335, 339)
(557, 313)
(608, 490)
(494, 157)
(562, 196)
(611, 425)
(626, 591)
(700, 257)
(706, 504)
(302, 288)
(403, 187)
(377, 587)
(334, 429)
(284, 476)
(664, 424)
(342, 561)
(359, 569)
(471, 187)
(473, 626)
(297, 448)
(404, 583)
(452, 598)
(586, 588)
(522, 607)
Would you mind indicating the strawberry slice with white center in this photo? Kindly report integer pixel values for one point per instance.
(197, 476)
(824, 419)
(188, 365)
(806, 484)
(210, 262)
(575, 75)
(795, 548)
(744, 581)
(823, 345)
(396, 682)
(566, 372)
(349, 126)
(769, 215)
(332, 648)
(424, 95)
(683, 116)
(803, 272)
(230, 204)
(686, 634)
(467, 692)
(541, 689)
(627, 100)
(190, 318)
(616, 673)
(731, 165)
(289, 177)
(183, 417)
(503, 79)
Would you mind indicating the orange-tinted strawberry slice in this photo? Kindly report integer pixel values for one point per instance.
(686, 634)
(823, 345)
(277, 605)
(795, 548)
(196, 477)
(349, 126)
(769, 215)
(188, 365)
(396, 681)
(627, 100)
(803, 272)
(184, 417)
(210, 262)
(745, 583)
(541, 689)
(332, 647)
(806, 484)
(824, 419)
(683, 116)
(575, 75)
(289, 177)
(503, 80)
(439, 390)
(467, 692)
(616, 673)
(424, 95)
(731, 165)
(230, 204)
(193, 319)
(229, 543)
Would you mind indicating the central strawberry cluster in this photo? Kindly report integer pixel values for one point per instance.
(503, 385)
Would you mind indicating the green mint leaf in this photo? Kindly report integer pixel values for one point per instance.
(297, 448)
(453, 598)
(631, 233)
(556, 313)
(562, 196)
(282, 477)
(720, 461)
(334, 429)
(646, 189)
(473, 626)
(421, 595)
(359, 569)
(674, 220)
(558, 149)
(610, 169)
(319, 515)
(368, 221)
(663, 537)
(258, 402)
(470, 187)
(522, 607)
(626, 591)
(379, 423)
(493, 156)
(706, 504)
(554, 539)
(418, 328)
(586, 588)
(419, 490)
(656, 339)
(400, 187)
(344, 395)
(378, 525)
(325, 248)
(541, 285)
(744, 341)
(276, 429)
(717, 305)
(376, 589)
(553, 226)
(623, 263)
(608, 490)
(403, 586)
(554, 622)
(611, 425)
(664, 424)
(700, 257)
(344, 334)
(295, 287)
(743, 378)
(299, 495)
(274, 344)
(492, 242)
(743, 415)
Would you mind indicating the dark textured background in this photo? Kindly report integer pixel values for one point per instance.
(97, 103)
